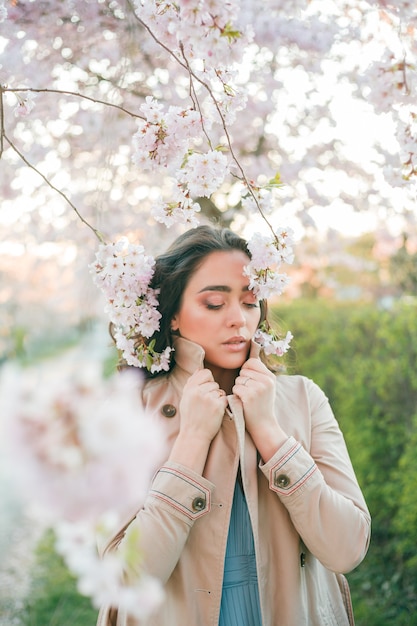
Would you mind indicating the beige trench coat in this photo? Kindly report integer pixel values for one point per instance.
(309, 517)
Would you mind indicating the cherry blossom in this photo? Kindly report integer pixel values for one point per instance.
(267, 255)
(24, 104)
(211, 59)
(204, 173)
(271, 343)
(196, 30)
(180, 209)
(77, 435)
(102, 578)
(163, 139)
(123, 272)
(81, 453)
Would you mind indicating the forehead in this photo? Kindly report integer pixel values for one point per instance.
(220, 268)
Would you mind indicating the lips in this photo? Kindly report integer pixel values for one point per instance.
(235, 345)
(235, 341)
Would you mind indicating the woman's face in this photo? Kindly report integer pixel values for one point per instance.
(218, 311)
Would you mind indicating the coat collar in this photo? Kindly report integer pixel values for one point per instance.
(189, 356)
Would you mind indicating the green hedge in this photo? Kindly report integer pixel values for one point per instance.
(365, 360)
(54, 599)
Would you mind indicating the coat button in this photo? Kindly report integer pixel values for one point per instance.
(169, 410)
(282, 481)
(199, 504)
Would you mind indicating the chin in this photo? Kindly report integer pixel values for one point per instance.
(228, 364)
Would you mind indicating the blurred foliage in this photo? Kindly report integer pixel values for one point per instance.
(403, 269)
(54, 599)
(365, 359)
(27, 347)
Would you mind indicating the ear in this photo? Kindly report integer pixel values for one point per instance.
(174, 324)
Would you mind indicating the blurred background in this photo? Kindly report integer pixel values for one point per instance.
(331, 107)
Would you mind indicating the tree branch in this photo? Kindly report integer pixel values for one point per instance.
(185, 65)
(97, 233)
(76, 94)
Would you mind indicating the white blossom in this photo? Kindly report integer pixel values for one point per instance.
(25, 102)
(204, 173)
(271, 344)
(123, 272)
(267, 255)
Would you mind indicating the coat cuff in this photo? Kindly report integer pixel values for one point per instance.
(289, 469)
(184, 490)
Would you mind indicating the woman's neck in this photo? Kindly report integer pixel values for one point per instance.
(225, 378)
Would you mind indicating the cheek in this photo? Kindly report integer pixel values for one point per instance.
(254, 320)
(195, 321)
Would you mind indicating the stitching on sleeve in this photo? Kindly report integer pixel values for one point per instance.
(179, 506)
(299, 482)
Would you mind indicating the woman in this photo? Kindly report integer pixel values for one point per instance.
(257, 506)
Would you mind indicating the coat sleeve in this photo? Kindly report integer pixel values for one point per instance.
(177, 498)
(317, 484)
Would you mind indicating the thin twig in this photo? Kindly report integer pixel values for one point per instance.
(154, 37)
(185, 65)
(97, 233)
(76, 94)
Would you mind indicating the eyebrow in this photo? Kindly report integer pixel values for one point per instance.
(222, 288)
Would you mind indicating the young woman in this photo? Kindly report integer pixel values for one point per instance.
(256, 511)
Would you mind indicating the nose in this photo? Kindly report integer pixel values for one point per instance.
(236, 317)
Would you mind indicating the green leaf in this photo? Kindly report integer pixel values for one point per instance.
(276, 181)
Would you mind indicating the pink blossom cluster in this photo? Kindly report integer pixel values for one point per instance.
(103, 578)
(268, 253)
(204, 173)
(180, 209)
(164, 137)
(205, 42)
(271, 343)
(81, 453)
(204, 30)
(390, 79)
(123, 272)
(165, 140)
(227, 99)
(404, 10)
(74, 439)
(260, 198)
(394, 92)
(270, 131)
(407, 137)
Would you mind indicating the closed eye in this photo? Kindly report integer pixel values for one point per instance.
(216, 307)
(213, 307)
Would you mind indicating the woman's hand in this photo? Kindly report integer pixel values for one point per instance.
(202, 408)
(255, 386)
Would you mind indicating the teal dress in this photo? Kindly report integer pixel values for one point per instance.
(240, 598)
